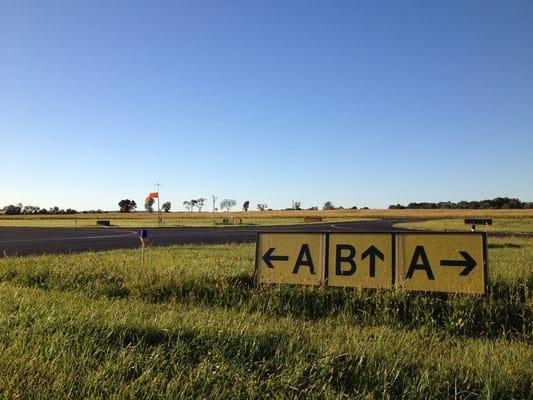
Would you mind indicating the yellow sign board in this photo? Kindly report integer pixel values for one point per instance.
(361, 260)
(434, 262)
(296, 258)
(441, 262)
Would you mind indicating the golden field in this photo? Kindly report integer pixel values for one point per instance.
(205, 218)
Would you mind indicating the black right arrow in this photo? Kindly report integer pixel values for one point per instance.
(372, 251)
(469, 263)
(268, 257)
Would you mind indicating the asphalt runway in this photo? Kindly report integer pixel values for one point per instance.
(26, 241)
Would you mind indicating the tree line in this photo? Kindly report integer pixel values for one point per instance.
(16, 209)
(496, 204)
(127, 205)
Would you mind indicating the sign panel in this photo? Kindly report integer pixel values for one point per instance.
(442, 262)
(429, 261)
(362, 260)
(296, 258)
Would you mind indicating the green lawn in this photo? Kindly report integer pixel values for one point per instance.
(498, 225)
(189, 322)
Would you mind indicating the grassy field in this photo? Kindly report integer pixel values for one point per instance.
(141, 219)
(191, 323)
(454, 224)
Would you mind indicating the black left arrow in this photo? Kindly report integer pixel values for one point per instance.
(373, 252)
(268, 257)
(468, 262)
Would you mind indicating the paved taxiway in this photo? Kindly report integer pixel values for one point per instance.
(24, 241)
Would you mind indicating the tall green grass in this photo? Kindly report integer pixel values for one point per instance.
(190, 322)
(222, 276)
(57, 344)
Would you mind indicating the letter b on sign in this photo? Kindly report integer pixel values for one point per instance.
(362, 260)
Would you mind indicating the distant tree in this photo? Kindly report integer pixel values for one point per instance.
(187, 205)
(262, 207)
(245, 205)
(396, 207)
(512, 203)
(166, 206)
(127, 205)
(227, 204)
(297, 205)
(148, 204)
(462, 205)
(485, 204)
(474, 205)
(12, 210)
(328, 205)
(313, 208)
(194, 203)
(200, 203)
(424, 206)
(30, 210)
(353, 208)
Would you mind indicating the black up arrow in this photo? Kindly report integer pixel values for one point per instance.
(469, 263)
(268, 258)
(373, 252)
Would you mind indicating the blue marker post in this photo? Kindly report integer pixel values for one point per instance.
(143, 236)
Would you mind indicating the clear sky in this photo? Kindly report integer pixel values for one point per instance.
(360, 103)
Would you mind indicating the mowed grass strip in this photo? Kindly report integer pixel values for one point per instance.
(518, 225)
(222, 276)
(150, 221)
(64, 345)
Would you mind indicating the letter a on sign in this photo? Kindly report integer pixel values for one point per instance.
(296, 258)
(304, 258)
(442, 262)
(419, 262)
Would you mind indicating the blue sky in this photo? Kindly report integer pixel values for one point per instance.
(359, 103)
